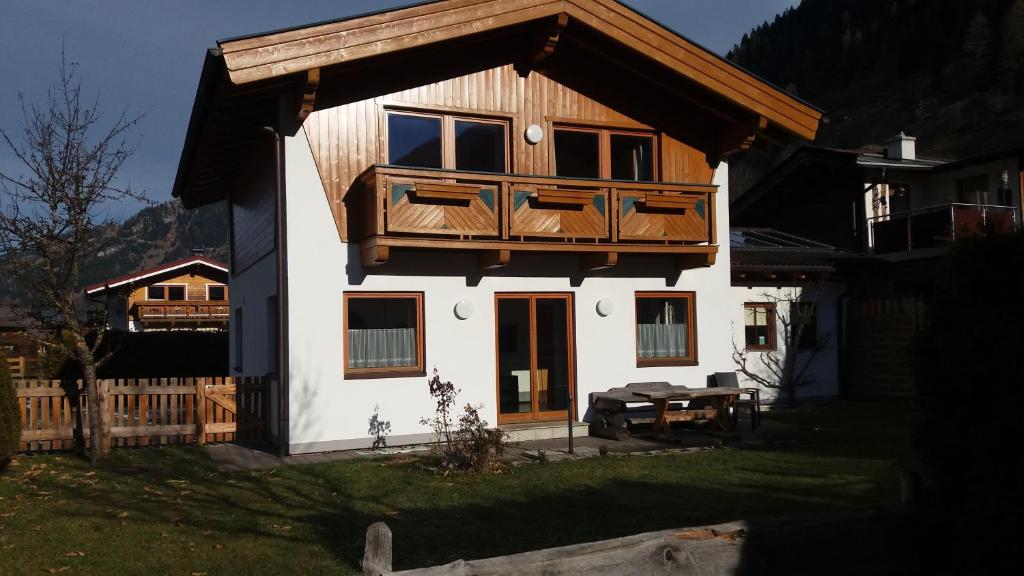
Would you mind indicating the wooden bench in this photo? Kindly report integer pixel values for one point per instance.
(611, 409)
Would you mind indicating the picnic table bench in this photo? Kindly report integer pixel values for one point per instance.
(710, 405)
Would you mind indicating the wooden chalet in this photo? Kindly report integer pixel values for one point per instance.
(524, 194)
(187, 294)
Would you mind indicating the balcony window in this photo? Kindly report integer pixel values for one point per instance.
(414, 140)
(156, 293)
(479, 146)
(384, 334)
(759, 325)
(603, 153)
(665, 330)
(176, 293)
(632, 157)
(216, 293)
(422, 140)
(577, 154)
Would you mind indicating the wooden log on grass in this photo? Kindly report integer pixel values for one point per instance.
(377, 558)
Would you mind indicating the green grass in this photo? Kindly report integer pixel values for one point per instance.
(169, 511)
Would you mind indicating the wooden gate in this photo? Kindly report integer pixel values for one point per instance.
(880, 337)
(142, 412)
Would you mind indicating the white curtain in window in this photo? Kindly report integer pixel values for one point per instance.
(381, 347)
(662, 340)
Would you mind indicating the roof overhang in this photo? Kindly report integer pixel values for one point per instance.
(129, 279)
(244, 79)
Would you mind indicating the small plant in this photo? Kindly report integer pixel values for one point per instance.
(468, 445)
(602, 449)
(10, 424)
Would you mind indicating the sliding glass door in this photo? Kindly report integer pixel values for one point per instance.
(535, 356)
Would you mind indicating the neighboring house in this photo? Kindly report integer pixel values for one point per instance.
(187, 294)
(528, 197)
(895, 204)
(776, 279)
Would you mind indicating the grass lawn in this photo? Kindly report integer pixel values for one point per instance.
(170, 511)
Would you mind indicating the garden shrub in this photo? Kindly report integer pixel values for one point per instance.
(465, 445)
(10, 423)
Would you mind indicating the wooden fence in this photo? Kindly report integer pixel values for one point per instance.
(143, 412)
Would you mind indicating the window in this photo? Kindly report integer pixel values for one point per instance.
(972, 190)
(414, 140)
(216, 293)
(156, 293)
(383, 334)
(759, 325)
(804, 324)
(446, 141)
(597, 153)
(479, 146)
(176, 293)
(665, 331)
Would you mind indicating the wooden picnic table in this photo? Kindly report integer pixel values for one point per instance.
(721, 398)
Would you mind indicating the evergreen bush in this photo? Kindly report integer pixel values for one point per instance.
(10, 424)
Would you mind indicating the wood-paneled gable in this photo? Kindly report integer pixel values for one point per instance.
(346, 140)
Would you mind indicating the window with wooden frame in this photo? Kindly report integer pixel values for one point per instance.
(666, 331)
(605, 154)
(383, 334)
(759, 325)
(449, 141)
(216, 292)
(172, 292)
(804, 324)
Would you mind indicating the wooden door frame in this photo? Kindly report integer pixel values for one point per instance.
(534, 415)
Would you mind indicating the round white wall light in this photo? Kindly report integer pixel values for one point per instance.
(463, 309)
(605, 306)
(534, 134)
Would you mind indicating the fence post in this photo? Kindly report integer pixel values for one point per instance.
(377, 557)
(200, 411)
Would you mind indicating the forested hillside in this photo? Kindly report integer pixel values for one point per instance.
(950, 72)
(154, 235)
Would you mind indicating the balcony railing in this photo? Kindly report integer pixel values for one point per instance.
(181, 311)
(936, 226)
(395, 207)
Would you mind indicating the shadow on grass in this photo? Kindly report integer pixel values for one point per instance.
(437, 520)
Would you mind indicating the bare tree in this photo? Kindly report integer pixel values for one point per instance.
(52, 217)
(786, 369)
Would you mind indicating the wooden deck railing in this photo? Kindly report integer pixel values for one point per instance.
(192, 311)
(143, 412)
(423, 208)
(17, 366)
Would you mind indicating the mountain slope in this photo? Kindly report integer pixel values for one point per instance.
(950, 72)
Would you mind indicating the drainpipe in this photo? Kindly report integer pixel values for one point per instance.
(281, 265)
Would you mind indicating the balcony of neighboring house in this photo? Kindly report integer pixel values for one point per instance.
(931, 229)
(185, 314)
(497, 215)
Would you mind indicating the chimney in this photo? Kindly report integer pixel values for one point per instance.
(902, 147)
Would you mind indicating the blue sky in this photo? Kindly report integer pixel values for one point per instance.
(146, 55)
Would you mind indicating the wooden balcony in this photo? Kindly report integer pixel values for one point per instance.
(498, 214)
(195, 313)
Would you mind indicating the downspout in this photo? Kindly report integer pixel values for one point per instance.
(280, 246)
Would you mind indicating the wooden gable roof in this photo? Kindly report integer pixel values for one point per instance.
(241, 74)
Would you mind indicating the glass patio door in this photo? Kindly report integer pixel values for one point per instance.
(535, 356)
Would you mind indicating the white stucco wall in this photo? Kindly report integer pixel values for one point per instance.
(329, 412)
(823, 366)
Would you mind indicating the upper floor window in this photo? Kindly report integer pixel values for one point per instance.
(603, 153)
(216, 292)
(162, 292)
(447, 141)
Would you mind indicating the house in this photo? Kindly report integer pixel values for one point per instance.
(789, 298)
(895, 204)
(187, 294)
(527, 196)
